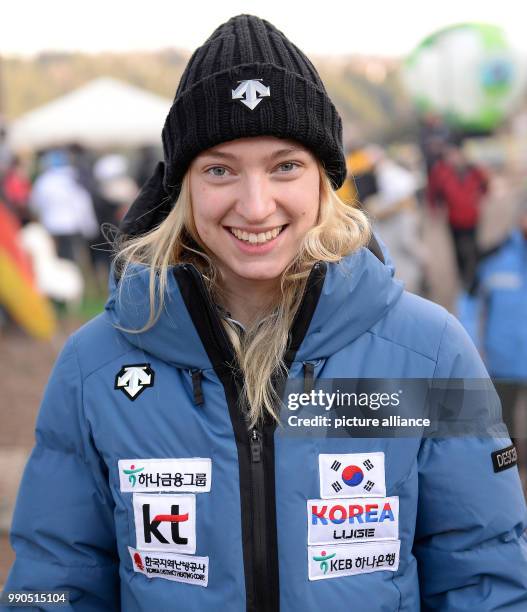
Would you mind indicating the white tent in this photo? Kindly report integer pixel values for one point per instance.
(103, 113)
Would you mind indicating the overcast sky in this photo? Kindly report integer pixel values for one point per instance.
(323, 27)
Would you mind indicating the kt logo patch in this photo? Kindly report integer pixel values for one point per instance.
(165, 522)
(133, 379)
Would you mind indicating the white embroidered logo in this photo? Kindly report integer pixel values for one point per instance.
(165, 522)
(357, 519)
(253, 91)
(180, 568)
(350, 559)
(132, 380)
(192, 475)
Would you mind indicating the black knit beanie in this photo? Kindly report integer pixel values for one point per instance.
(247, 80)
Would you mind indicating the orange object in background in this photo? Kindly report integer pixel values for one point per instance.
(357, 162)
(19, 294)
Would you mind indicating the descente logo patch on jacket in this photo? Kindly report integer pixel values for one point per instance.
(133, 379)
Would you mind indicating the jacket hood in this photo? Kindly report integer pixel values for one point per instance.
(356, 293)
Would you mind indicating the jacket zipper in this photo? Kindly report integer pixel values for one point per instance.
(258, 508)
(263, 584)
(256, 460)
(255, 572)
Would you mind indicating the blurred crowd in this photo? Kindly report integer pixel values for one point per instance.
(446, 185)
(65, 204)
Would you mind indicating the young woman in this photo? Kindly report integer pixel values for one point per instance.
(161, 479)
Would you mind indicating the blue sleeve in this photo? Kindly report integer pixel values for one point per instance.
(470, 309)
(470, 543)
(62, 531)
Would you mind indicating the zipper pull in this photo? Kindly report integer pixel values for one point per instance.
(196, 387)
(256, 446)
(309, 374)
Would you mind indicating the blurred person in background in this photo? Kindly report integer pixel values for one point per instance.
(396, 218)
(15, 190)
(115, 190)
(64, 207)
(433, 134)
(495, 314)
(82, 159)
(5, 152)
(460, 186)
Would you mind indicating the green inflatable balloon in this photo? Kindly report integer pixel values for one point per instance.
(468, 73)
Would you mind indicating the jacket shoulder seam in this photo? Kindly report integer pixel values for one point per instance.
(443, 333)
(102, 365)
(99, 366)
(82, 415)
(80, 452)
(408, 348)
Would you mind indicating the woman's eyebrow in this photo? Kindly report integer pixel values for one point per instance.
(287, 151)
(275, 154)
(221, 154)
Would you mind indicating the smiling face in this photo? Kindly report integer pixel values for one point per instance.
(253, 201)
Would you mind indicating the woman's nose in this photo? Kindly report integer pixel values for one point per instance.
(255, 201)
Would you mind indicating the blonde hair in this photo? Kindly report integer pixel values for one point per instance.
(341, 228)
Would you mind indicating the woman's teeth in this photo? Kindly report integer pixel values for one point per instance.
(260, 238)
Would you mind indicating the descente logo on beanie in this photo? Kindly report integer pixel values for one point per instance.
(246, 80)
(251, 93)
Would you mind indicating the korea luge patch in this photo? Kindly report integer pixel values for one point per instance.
(165, 522)
(351, 559)
(180, 568)
(352, 475)
(185, 475)
(357, 519)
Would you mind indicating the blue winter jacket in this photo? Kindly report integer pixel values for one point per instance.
(501, 304)
(145, 490)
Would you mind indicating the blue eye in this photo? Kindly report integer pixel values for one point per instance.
(217, 171)
(288, 166)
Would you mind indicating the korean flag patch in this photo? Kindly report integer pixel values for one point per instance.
(352, 475)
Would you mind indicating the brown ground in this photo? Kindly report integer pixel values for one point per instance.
(25, 364)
